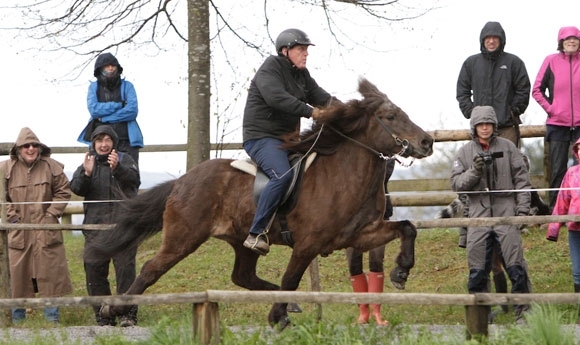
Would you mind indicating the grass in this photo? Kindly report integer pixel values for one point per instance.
(543, 327)
(441, 267)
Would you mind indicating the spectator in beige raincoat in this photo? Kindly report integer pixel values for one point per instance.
(37, 190)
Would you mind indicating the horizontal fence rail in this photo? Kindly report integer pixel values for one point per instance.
(419, 224)
(396, 187)
(206, 323)
(439, 135)
(251, 297)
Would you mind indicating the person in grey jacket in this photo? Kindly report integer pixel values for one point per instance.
(107, 176)
(281, 93)
(499, 79)
(482, 169)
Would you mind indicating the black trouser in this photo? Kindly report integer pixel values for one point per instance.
(97, 273)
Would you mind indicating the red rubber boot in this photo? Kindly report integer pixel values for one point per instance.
(376, 281)
(359, 284)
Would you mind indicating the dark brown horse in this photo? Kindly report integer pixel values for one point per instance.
(340, 205)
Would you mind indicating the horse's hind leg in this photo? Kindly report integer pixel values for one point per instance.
(244, 274)
(290, 281)
(178, 242)
(406, 258)
(244, 271)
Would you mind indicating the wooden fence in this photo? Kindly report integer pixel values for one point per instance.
(205, 305)
(439, 188)
(206, 323)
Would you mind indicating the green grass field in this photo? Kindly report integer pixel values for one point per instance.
(441, 267)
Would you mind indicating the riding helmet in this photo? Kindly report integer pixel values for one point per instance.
(291, 37)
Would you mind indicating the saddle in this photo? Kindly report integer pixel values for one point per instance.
(299, 164)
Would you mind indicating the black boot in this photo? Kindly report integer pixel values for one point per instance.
(98, 285)
(519, 280)
(100, 290)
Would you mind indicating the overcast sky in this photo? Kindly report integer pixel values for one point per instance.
(416, 64)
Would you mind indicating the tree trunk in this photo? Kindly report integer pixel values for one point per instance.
(198, 145)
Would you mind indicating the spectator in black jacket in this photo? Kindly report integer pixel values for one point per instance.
(496, 78)
(281, 93)
(108, 176)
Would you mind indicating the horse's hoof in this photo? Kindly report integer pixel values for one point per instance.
(105, 311)
(293, 308)
(399, 278)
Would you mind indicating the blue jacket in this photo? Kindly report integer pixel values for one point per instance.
(113, 112)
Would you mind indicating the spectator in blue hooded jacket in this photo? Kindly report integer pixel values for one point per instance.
(112, 100)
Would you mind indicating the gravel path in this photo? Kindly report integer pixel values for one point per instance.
(86, 334)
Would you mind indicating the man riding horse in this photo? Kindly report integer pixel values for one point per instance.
(281, 93)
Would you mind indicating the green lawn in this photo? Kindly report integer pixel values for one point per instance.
(441, 267)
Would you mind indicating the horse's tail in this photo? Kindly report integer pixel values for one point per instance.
(136, 220)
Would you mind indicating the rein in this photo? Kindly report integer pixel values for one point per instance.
(404, 143)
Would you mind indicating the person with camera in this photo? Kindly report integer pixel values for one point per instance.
(482, 169)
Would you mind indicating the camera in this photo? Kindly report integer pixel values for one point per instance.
(488, 157)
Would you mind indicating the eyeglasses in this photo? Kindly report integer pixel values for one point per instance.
(27, 145)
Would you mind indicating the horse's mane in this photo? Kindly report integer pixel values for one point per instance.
(347, 118)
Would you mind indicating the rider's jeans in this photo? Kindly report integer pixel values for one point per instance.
(273, 160)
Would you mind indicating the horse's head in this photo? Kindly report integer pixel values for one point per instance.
(389, 128)
(373, 122)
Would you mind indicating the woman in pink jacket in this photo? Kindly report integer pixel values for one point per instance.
(557, 90)
(568, 202)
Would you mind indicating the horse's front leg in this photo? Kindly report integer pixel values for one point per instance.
(406, 258)
(290, 281)
(384, 232)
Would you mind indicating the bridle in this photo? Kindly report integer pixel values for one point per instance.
(404, 143)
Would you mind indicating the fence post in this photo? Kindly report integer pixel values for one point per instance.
(315, 284)
(476, 318)
(206, 323)
(5, 291)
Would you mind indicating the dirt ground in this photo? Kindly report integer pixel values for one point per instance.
(86, 334)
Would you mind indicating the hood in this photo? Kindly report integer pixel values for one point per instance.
(27, 136)
(104, 129)
(104, 60)
(566, 32)
(576, 146)
(482, 114)
(492, 29)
